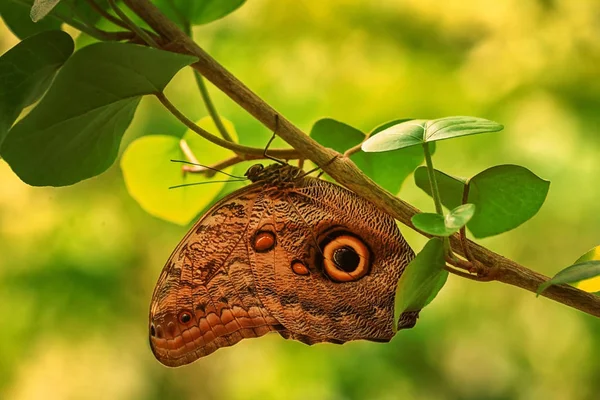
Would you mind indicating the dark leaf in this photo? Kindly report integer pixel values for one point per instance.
(422, 279)
(75, 131)
(27, 70)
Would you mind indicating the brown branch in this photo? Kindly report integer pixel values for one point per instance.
(342, 169)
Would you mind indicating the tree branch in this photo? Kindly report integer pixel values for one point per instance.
(345, 171)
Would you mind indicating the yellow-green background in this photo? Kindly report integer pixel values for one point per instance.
(78, 264)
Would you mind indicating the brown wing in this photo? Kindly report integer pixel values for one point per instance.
(312, 305)
(206, 295)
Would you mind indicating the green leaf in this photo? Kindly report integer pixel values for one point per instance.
(438, 225)
(27, 70)
(459, 216)
(16, 17)
(75, 131)
(388, 170)
(199, 11)
(574, 273)
(419, 131)
(591, 285)
(422, 279)
(41, 8)
(148, 173)
(505, 196)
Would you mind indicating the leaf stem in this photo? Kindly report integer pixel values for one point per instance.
(432, 181)
(132, 26)
(210, 107)
(463, 230)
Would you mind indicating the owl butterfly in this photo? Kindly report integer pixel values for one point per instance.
(290, 254)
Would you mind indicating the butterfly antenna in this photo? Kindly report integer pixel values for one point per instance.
(204, 183)
(265, 155)
(208, 168)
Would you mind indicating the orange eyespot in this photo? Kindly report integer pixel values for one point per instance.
(184, 317)
(346, 258)
(263, 241)
(299, 269)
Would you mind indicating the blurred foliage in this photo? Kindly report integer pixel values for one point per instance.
(78, 264)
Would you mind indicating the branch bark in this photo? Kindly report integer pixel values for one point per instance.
(342, 169)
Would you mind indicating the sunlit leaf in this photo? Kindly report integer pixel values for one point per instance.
(198, 12)
(438, 225)
(591, 285)
(575, 273)
(422, 279)
(75, 131)
(41, 8)
(419, 131)
(26, 71)
(148, 173)
(387, 170)
(506, 196)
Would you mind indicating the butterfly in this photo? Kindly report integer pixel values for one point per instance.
(289, 253)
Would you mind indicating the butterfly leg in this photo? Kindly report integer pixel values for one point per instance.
(265, 155)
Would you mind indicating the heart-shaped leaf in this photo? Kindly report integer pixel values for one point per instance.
(575, 273)
(419, 131)
(422, 279)
(387, 170)
(41, 8)
(75, 131)
(27, 70)
(505, 196)
(199, 11)
(148, 173)
(438, 225)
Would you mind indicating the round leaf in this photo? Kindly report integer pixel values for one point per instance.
(459, 216)
(437, 225)
(148, 173)
(419, 131)
(506, 196)
(75, 131)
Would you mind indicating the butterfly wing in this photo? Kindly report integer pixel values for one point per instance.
(206, 296)
(319, 303)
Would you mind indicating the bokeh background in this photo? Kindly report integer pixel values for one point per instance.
(78, 264)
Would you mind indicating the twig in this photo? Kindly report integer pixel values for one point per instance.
(343, 170)
(240, 150)
(210, 107)
(106, 15)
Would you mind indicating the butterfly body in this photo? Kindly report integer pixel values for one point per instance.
(290, 254)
